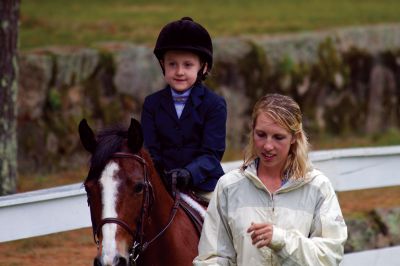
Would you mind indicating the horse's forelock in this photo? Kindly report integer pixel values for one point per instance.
(109, 141)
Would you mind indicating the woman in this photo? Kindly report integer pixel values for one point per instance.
(277, 209)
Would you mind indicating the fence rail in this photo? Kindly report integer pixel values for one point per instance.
(65, 208)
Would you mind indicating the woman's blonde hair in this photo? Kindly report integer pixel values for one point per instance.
(286, 112)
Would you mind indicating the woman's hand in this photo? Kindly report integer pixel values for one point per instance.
(261, 234)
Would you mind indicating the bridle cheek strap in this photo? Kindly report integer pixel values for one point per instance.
(148, 198)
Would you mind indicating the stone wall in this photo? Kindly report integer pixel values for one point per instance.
(376, 229)
(346, 80)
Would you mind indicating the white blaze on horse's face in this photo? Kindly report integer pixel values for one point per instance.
(109, 195)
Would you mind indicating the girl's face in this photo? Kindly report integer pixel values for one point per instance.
(271, 143)
(181, 68)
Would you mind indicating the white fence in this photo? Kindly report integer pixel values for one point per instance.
(65, 208)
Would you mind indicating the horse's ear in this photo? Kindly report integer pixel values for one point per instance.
(135, 136)
(87, 136)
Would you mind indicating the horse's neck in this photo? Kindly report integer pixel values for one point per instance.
(179, 235)
(162, 205)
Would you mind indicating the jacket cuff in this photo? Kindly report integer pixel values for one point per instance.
(278, 239)
(192, 170)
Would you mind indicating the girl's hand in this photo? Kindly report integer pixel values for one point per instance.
(261, 234)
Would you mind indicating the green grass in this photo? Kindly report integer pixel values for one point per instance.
(77, 22)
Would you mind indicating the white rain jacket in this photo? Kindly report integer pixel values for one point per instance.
(308, 227)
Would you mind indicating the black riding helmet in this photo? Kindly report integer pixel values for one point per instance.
(185, 34)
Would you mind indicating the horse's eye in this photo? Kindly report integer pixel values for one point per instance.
(139, 188)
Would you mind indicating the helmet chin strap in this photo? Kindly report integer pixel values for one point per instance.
(202, 74)
(162, 67)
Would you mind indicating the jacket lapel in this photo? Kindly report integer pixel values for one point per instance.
(167, 103)
(195, 99)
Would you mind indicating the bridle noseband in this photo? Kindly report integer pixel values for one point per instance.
(139, 246)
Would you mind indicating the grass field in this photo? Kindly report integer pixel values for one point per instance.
(77, 22)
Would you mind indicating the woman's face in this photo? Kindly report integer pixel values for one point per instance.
(271, 143)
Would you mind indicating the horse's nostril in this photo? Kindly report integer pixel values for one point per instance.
(96, 262)
(120, 261)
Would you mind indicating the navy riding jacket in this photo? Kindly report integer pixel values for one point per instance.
(195, 141)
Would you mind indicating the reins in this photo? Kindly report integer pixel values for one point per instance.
(139, 245)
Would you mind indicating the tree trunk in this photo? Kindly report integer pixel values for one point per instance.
(9, 15)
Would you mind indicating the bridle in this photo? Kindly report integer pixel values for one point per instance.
(139, 245)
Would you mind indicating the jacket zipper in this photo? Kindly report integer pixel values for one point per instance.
(273, 220)
(273, 203)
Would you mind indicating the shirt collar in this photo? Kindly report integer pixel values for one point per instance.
(186, 93)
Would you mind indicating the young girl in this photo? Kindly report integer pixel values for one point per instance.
(184, 124)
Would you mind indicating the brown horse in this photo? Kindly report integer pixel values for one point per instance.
(135, 220)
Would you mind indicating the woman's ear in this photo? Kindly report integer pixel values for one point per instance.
(294, 138)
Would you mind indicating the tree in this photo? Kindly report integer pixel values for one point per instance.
(9, 15)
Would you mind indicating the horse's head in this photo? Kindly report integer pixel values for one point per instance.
(118, 189)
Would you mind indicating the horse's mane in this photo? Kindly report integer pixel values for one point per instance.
(109, 141)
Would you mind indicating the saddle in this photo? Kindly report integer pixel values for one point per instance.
(195, 215)
(185, 199)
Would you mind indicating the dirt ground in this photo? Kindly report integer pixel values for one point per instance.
(77, 247)
(70, 248)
